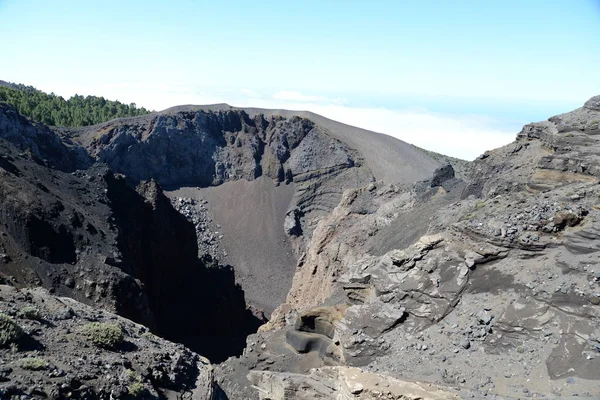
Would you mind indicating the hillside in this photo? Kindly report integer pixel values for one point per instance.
(437, 281)
(254, 171)
(54, 110)
(382, 272)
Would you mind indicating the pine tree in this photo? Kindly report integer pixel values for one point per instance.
(54, 110)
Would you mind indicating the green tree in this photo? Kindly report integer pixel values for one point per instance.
(54, 110)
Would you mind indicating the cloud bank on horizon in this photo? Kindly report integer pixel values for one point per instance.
(461, 136)
(456, 77)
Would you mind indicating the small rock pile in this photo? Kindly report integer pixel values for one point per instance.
(480, 328)
(207, 233)
(526, 223)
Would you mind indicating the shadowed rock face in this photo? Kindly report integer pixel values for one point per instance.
(218, 149)
(92, 236)
(158, 247)
(199, 148)
(45, 146)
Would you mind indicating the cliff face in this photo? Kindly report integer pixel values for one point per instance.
(433, 280)
(203, 148)
(438, 280)
(316, 159)
(44, 145)
(210, 145)
(92, 236)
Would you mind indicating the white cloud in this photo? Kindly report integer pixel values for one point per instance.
(460, 136)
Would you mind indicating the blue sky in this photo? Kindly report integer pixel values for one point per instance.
(453, 76)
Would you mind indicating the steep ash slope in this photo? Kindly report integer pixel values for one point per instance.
(438, 280)
(192, 146)
(260, 207)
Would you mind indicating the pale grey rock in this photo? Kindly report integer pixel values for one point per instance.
(342, 383)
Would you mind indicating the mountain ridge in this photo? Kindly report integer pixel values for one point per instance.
(201, 147)
(431, 277)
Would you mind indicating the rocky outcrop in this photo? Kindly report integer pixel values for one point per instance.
(70, 350)
(92, 236)
(593, 104)
(193, 149)
(432, 281)
(438, 280)
(342, 383)
(370, 220)
(43, 144)
(205, 148)
(442, 174)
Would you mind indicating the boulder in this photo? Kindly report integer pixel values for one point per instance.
(342, 383)
(442, 174)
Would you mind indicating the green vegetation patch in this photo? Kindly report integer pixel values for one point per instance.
(135, 386)
(104, 334)
(30, 312)
(150, 336)
(136, 389)
(10, 332)
(34, 364)
(54, 110)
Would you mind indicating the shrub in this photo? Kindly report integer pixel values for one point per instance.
(10, 332)
(104, 334)
(149, 336)
(467, 217)
(34, 363)
(30, 313)
(136, 388)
